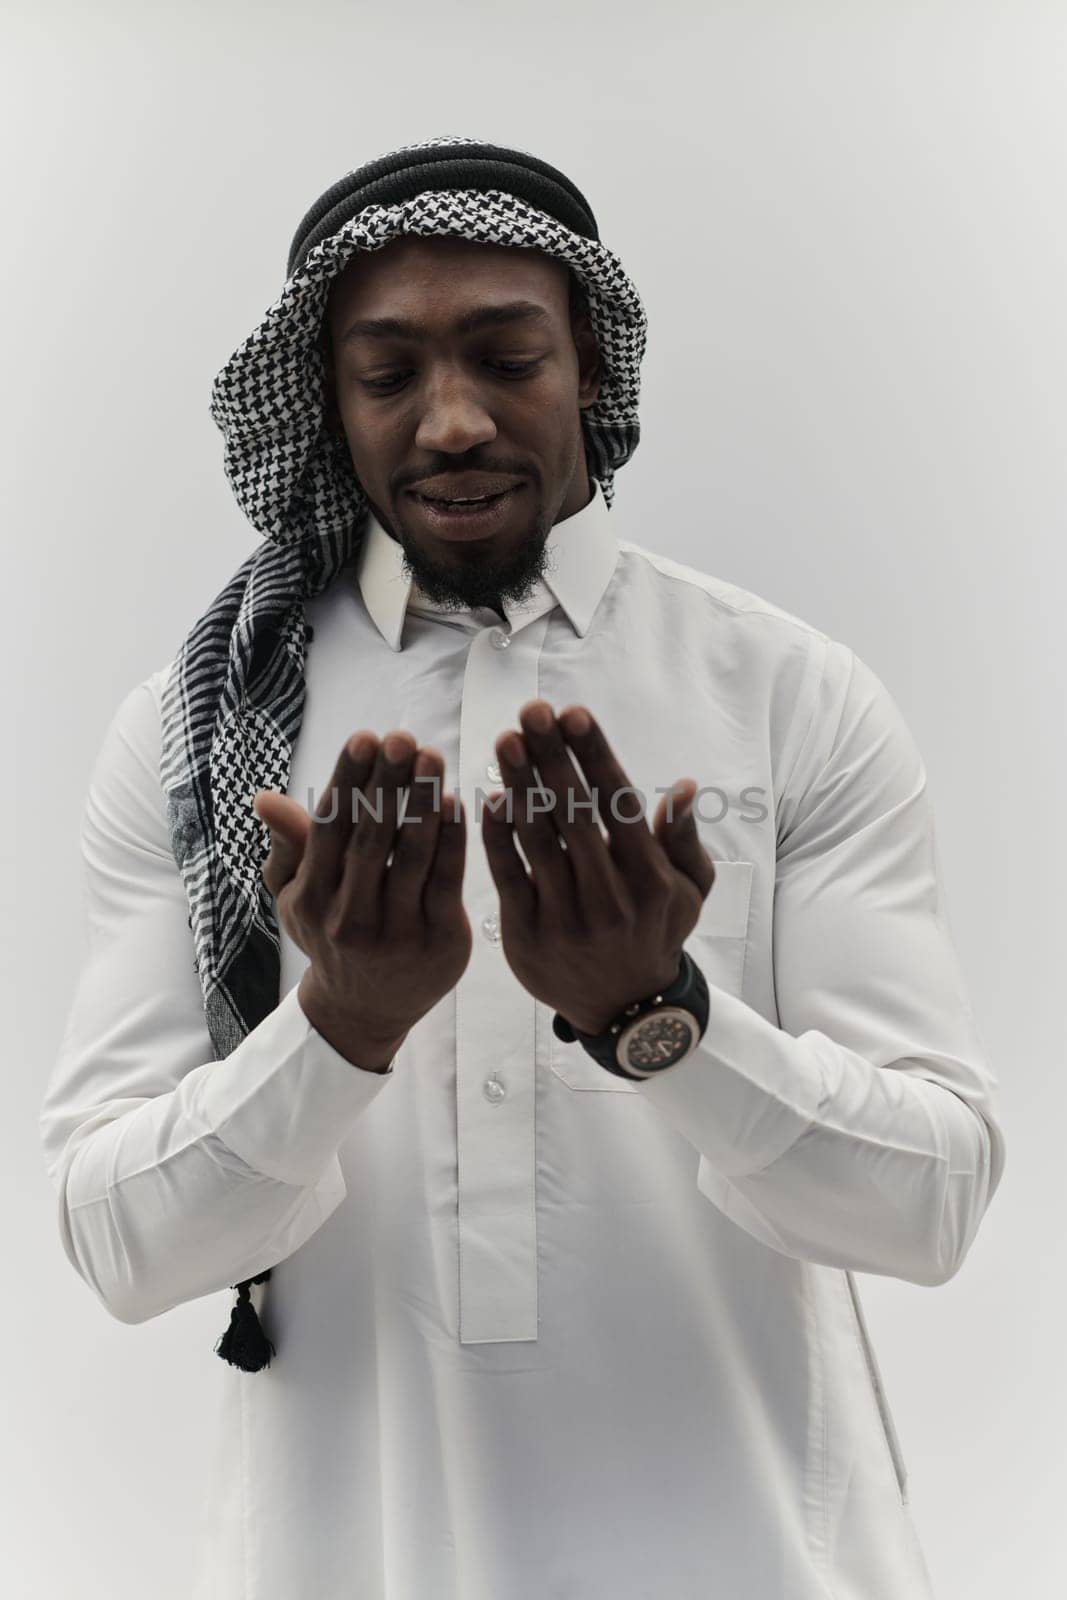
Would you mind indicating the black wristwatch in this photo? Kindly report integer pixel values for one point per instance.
(651, 1034)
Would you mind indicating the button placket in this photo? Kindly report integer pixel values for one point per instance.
(495, 1097)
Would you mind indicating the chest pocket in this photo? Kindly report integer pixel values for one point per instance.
(717, 944)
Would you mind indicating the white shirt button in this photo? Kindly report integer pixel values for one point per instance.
(491, 928)
(499, 639)
(494, 1090)
(493, 773)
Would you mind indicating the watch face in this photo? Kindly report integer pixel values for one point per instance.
(658, 1040)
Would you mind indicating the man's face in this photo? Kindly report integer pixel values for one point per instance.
(457, 411)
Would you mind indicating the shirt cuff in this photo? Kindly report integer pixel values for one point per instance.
(284, 1099)
(747, 1092)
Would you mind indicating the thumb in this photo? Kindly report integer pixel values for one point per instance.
(288, 823)
(679, 836)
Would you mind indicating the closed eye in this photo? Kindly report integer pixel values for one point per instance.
(509, 369)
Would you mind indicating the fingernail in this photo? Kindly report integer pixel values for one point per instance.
(577, 722)
(395, 747)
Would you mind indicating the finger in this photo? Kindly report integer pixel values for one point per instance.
(444, 885)
(620, 805)
(331, 821)
(416, 840)
(373, 834)
(288, 824)
(680, 836)
(673, 808)
(513, 883)
(574, 815)
(533, 827)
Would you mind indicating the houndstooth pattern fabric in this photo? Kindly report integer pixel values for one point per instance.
(233, 699)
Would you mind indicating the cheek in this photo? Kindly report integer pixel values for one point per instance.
(371, 462)
(566, 424)
(371, 438)
(549, 410)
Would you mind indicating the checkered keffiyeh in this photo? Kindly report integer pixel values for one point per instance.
(233, 699)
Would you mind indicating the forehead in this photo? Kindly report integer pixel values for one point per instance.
(410, 274)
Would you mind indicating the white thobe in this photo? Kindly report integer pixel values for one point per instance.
(543, 1333)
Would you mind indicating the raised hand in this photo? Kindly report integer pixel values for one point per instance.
(596, 925)
(385, 940)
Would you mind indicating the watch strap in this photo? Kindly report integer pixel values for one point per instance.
(689, 991)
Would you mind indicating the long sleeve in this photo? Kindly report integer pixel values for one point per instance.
(863, 1132)
(176, 1174)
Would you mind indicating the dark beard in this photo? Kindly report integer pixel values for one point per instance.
(486, 582)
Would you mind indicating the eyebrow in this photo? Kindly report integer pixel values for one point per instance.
(480, 317)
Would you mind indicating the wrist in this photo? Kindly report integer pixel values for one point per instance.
(598, 1021)
(360, 1042)
(650, 1034)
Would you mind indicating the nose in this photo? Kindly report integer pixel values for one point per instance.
(453, 418)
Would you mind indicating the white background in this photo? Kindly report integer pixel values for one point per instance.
(848, 226)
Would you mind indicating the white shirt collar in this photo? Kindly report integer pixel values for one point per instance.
(582, 552)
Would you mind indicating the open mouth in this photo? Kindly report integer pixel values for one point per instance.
(458, 506)
(467, 518)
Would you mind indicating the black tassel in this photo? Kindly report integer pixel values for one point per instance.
(244, 1344)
